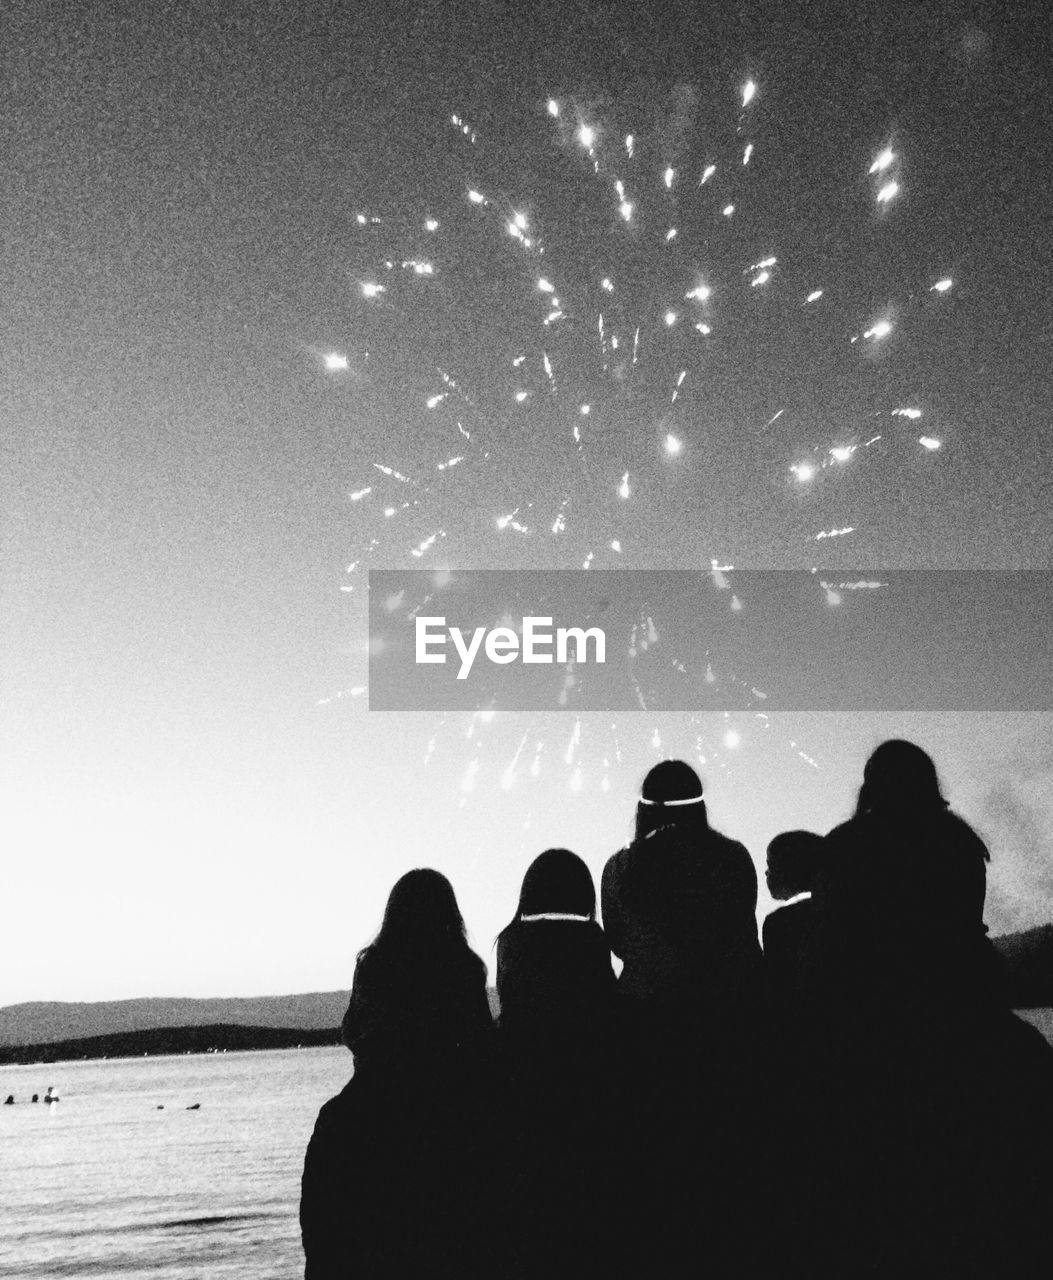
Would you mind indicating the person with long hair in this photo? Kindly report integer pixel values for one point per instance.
(679, 909)
(679, 903)
(418, 998)
(398, 1172)
(556, 989)
(933, 1139)
(900, 894)
(554, 975)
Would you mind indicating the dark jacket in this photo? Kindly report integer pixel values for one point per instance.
(679, 909)
(899, 905)
(418, 1012)
(554, 977)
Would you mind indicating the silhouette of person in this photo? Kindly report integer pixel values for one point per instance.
(918, 1067)
(679, 909)
(557, 996)
(679, 904)
(900, 894)
(554, 975)
(397, 1174)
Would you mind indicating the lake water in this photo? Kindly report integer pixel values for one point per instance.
(105, 1184)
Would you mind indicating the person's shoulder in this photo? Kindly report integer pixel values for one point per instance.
(614, 866)
(727, 846)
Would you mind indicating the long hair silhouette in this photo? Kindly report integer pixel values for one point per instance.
(899, 778)
(421, 913)
(556, 883)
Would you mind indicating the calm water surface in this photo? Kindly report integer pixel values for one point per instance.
(106, 1184)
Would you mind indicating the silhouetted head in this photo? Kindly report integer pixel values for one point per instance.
(557, 881)
(421, 913)
(792, 856)
(900, 778)
(671, 796)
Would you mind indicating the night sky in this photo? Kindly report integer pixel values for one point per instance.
(221, 406)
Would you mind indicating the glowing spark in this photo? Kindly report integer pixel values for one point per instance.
(888, 192)
(747, 153)
(728, 210)
(707, 173)
(431, 224)
(912, 414)
(749, 92)
(671, 234)
(359, 494)
(521, 396)
(700, 293)
(732, 739)
(334, 361)
(804, 471)
(553, 107)
(433, 401)
(546, 286)
(703, 328)
(586, 136)
(842, 453)
(585, 410)
(814, 296)
(883, 160)
(605, 284)
(510, 522)
(930, 442)
(673, 446)
(880, 330)
(670, 318)
(426, 545)
(616, 546)
(626, 210)
(941, 286)
(623, 488)
(476, 197)
(763, 264)
(372, 290)
(630, 143)
(452, 462)
(390, 471)
(834, 533)
(763, 278)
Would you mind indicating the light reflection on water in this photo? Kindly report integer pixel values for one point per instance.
(107, 1182)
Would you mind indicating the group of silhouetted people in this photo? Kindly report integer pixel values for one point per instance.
(853, 1099)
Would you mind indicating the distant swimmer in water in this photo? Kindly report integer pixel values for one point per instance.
(9, 1101)
(51, 1095)
(194, 1106)
(35, 1097)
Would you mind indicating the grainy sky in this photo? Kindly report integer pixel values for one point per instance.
(195, 799)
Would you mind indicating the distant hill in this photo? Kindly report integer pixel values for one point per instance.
(219, 1038)
(43, 1022)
